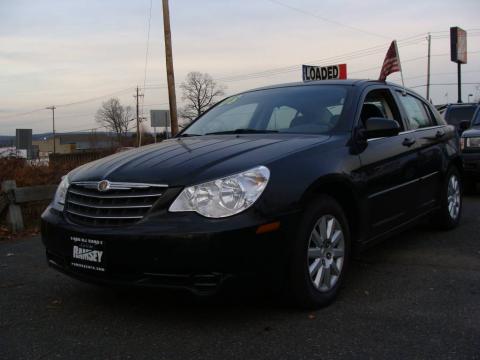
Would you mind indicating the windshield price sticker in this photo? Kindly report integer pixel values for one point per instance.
(331, 72)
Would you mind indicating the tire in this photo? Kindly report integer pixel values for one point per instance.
(447, 218)
(314, 290)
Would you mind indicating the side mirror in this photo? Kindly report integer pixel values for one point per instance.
(463, 125)
(380, 127)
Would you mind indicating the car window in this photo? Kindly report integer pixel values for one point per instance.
(457, 114)
(293, 109)
(416, 113)
(435, 117)
(380, 103)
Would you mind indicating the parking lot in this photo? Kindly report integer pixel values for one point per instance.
(414, 296)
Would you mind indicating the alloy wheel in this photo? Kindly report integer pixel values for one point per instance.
(326, 252)
(453, 197)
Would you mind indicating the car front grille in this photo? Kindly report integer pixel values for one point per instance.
(115, 205)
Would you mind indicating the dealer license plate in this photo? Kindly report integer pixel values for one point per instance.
(88, 254)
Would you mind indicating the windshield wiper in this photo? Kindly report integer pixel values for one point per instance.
(243, 131)
(188, 135)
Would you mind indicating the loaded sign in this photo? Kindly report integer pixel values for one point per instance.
(311, 72)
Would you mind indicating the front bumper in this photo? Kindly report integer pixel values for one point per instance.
(471, 164)
(182, 250)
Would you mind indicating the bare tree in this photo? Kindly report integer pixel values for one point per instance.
(199, 92)
(114, 116)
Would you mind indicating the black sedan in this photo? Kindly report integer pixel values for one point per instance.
(283, 182)
(470, 144)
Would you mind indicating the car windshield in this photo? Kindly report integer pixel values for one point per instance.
(458, 114)
(295, 109)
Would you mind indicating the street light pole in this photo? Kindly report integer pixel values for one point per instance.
(53, 125)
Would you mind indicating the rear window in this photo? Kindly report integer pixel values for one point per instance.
(457, 114)
(416, 112)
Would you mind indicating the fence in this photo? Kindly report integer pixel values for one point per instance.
(12, 197)
(78, 158)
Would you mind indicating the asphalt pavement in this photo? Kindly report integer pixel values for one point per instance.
(416, 296)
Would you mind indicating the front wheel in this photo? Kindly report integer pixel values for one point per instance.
(320, 254)
(448, 217)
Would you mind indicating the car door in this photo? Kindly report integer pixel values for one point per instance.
(389, 166)
(431, 141)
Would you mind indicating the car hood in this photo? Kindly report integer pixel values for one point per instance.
(472, 132)
(186, 161)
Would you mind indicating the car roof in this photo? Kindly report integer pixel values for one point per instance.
(348, 82)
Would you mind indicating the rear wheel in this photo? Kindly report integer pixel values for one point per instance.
(320, 253)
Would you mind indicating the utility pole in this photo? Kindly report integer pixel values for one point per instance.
(53, 125)
(170, 75)
(139, 136)
(429, 38)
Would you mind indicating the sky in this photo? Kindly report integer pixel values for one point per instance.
(75, 54)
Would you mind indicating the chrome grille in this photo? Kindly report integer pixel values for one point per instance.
(118, 204)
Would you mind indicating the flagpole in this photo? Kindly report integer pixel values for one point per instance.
(400, 66)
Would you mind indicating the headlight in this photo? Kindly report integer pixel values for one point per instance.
(472, 142)
(223, 197)
(59, 199)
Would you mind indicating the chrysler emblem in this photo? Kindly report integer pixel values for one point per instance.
(103, 185)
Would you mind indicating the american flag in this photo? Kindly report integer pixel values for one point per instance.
(391, 63)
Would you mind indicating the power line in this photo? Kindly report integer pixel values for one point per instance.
(412, 40)
(61, 132)
(65, 105)
(411, 60)
(324, 19)
(95, 98)
(21, 114)
(90, 129)
(445, 84)
(344, 57)
(442, 73)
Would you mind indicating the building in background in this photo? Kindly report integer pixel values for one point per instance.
(74, 143)
(45, 146)
(12, 152)
(23, 141)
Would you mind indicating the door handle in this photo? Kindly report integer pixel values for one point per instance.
(408, 142)
(440, 134)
